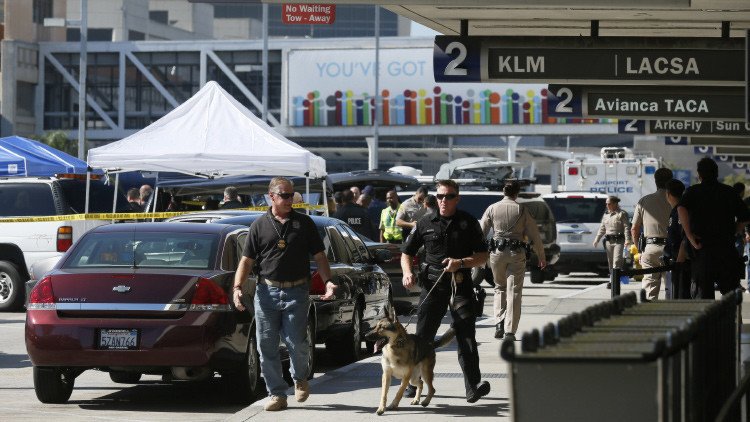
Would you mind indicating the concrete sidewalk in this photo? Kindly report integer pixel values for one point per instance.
(352, 393)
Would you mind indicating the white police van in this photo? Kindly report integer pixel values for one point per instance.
(578, 216)
(618, 171)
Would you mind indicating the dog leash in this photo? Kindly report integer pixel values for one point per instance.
(453, 293)
(425, 298)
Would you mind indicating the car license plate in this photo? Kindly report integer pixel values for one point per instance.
(118, 339)
(574, 238)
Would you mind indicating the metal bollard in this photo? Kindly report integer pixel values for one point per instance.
(614, 279)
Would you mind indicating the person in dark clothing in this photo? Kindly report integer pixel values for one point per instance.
(711, 214)
(354, 215)
(739, 240)
(338, 200)
(376, 206)
(134, 198)
(453, 244)
(675, 250)
(231, 199)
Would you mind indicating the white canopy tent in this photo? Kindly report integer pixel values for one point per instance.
(210, 135)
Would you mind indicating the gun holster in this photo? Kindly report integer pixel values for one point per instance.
(429, 274)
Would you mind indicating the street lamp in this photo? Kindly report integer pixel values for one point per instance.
(82, 67)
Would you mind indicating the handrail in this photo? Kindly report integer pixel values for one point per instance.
(734, 399)
(615, 273)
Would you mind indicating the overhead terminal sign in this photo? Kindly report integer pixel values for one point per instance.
(585, 60)
(648, 103)
(691, 128)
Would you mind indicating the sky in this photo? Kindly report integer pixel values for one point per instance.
(419, 30)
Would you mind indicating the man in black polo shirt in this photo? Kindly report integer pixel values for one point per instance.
(281, 242)
(711, 213)
(454, 243)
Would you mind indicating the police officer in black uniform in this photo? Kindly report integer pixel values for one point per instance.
(354, 215)
(453, 244)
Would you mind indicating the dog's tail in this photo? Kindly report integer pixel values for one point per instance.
(445, 338)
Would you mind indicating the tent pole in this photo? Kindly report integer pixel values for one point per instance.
(114, 197)
(325, 199)
(156, 195)
(307, 192)
(88, 187)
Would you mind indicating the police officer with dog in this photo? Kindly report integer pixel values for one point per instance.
(453, 244)
(511, 223)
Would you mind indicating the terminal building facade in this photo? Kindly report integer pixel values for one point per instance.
(146, 57)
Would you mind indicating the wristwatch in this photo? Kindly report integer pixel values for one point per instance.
(462, 263)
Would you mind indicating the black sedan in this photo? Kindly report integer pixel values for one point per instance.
(364, 295)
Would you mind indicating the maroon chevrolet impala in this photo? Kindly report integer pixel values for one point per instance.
(143, 298)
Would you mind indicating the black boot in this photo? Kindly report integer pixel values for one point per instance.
(481, 390)
(500, 330)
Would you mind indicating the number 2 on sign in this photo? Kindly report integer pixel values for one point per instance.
(566, 96)
(453, 68)
(564, 101)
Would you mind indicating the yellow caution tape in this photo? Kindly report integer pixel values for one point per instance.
(132, 215)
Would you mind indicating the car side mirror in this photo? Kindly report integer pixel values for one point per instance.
(383, 256)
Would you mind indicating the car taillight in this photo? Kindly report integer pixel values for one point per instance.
(42, 296)
(317, 285)
(572, 171)
(64, 238)
(208, 296)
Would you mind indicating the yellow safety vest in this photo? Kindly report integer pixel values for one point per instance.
(391, 232)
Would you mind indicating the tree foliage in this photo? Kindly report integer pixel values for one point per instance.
(59, 140)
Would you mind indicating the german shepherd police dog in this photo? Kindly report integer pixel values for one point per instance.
(407, 357)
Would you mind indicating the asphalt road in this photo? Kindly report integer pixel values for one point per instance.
(96, 397)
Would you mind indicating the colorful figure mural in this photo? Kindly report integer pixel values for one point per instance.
(423, 107)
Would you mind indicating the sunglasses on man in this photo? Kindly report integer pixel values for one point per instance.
(446, 196)
(283, 195)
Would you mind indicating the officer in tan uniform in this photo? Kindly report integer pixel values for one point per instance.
(615, 228)
(652, 214)
(512, 224)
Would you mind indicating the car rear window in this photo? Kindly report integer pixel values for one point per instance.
(577, 210)
(148, 250)
(26, 199)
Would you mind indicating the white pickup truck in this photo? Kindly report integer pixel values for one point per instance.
(24, 243)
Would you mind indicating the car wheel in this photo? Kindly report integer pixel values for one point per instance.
(350, 345)
(52, 385)
(246, 384)
(537, 276)
(11, 287)
(122, 377)
(311, 343)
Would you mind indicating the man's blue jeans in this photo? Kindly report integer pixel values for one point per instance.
(282, 312)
